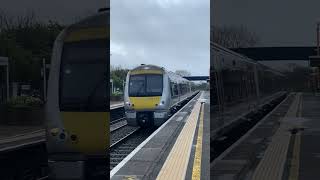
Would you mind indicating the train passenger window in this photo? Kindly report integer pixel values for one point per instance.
(175, 90)
(183, 89)
(171, 89)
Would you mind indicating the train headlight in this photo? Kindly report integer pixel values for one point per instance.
(160, 104)
(54, 131)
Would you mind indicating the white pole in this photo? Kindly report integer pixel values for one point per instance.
(44, 80)
(123, 86)
(111, 86)
(8, 82)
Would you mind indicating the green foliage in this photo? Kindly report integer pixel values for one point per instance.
(118, 75)
(24, 102)
(26, 41)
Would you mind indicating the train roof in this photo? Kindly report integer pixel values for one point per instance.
(148, 67)
(173, 76)
(177, 78)
(93, 27)
(98, 20)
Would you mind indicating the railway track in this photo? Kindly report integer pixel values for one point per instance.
(118, 136)
(122, 147)
(117, 120)
(221, 143)
(116, 115)
(120, 124)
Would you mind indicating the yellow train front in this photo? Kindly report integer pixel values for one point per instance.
(151, 93)
(77, 109)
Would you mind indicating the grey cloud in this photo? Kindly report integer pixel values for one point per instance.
(278, 23)
(64, 11)
(173, 35)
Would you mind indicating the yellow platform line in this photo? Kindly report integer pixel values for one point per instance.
(196, 171)
(295, 161)
(175, 166)
(272, 164)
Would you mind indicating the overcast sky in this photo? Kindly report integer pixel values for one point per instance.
(277, 23)
(64, 11)
(174, 34)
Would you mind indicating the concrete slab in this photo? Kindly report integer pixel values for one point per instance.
(310, 147)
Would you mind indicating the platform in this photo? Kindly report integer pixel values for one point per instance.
(283, 145)
(13, 137)
(179, 149)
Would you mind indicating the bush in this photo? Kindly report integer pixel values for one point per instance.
(24, 101)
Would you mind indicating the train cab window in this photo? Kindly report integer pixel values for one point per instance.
(83, 76)
(154, 84)
(145, 85)
(136, 85)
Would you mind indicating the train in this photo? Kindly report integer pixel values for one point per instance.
(236, 79)
(152, 93)
(77, 106)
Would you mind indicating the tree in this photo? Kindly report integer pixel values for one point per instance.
(118, 75)
(234, 37)
(26, 42)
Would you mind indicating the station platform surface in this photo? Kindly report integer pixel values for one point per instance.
(12, 137)
(283, 145)
(179, 149)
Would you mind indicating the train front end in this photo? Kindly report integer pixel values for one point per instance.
(147, 96)
(77, 112)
